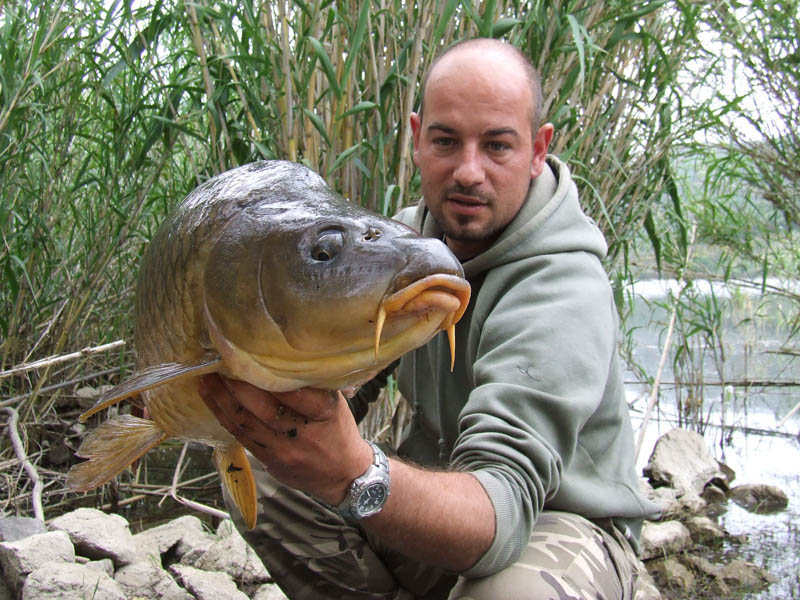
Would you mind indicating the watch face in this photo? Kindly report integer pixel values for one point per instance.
(371, 499)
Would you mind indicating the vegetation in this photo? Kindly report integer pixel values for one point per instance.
(677, 118)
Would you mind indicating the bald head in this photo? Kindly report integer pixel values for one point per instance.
(488, 53)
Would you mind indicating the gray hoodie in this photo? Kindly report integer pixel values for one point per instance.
(535, 407)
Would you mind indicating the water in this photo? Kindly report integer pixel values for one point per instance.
(742, 426)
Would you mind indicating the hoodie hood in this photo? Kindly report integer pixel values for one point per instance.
(551, 221)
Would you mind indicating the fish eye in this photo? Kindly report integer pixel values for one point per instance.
(329, 244)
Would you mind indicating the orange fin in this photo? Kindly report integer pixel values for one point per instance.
(237, 477)
(148, 378)
(110, 448)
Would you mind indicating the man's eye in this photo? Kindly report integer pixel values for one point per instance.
(444, 142)
(498, 146)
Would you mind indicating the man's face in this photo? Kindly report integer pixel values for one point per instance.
(474, 148)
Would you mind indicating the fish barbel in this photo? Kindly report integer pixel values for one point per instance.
(266, 275)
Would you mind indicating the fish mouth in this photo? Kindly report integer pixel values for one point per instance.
(444, 293)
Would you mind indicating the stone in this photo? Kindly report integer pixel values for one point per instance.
(148, 580)
(19, 558)
(742, 574)
(232, 555)
(206, 585)
(664, 538)
(104, 565)
(704, 529)
(177, 537)
(270, 591)
(759, 498)
(98, 535)
(673, 574)
(645, 587)
(681, 460)
(16, 528)
(70, 580)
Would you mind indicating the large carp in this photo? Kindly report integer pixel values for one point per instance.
(264, 274)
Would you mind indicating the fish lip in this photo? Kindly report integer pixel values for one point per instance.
(451, 283)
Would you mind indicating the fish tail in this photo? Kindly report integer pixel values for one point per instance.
(110, 448)
(237, 477)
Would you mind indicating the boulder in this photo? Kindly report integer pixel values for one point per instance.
(673, 574)
(176, 537)
(270, 591)
(70, 580)
(206, 585)
(16, 528)
(663, 539)
(759, 498)
(704, 529)
(681, 460)
(232, 555)
(20, 558)
(98, 535)
(147, 579)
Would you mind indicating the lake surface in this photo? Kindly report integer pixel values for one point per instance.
(742, 425)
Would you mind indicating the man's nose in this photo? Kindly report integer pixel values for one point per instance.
(469, 170)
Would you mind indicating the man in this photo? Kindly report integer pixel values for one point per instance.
(533, 492)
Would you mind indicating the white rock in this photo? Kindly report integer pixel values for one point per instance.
(179, 535)
(662, 539)
(70, 580)
(98, 535)
(19, 558)
(682, 460)
(148, 580)
(270, 591)
(206, 585)
(230, 554)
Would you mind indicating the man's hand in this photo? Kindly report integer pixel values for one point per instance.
(306, 438)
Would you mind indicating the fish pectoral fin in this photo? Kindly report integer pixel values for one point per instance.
(110, 448)
(237, 477)
(148, 378)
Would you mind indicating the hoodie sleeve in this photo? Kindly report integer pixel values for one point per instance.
(543, 354)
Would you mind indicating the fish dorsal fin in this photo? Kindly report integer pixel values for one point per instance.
(151, 377)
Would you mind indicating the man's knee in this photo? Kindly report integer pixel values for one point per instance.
(567, 557)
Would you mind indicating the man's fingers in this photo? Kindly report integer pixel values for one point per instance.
(312, 403)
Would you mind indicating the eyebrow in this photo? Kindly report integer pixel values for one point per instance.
(490, 133)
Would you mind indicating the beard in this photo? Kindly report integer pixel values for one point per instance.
(463, 228)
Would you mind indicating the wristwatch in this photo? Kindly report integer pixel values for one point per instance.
(368, 493)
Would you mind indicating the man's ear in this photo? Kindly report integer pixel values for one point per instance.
(416, 129)
(541, 143)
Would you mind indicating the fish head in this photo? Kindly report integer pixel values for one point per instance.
(307, 289)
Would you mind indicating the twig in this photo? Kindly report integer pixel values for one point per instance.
(190, 503)
(13, 434)
(52, 360)
(55, 386)
(789, 414)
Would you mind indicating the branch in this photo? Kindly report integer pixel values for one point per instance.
(173, 491)
(52, 360)
(16, 442)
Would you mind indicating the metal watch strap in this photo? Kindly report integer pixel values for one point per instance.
(377, 474)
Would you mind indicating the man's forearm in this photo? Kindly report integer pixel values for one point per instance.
(441, 518)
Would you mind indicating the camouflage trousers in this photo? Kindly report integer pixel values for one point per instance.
(314, 554)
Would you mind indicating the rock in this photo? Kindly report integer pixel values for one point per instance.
(270, 591)
(645, 587)
(70, 580)
(105, 565)
(759, 498)
(5, 593)
(24, 556)
(704, 529)
(205, 585)
(16, 528)
(681, 460)
(148, 580)
(663, 539)
(743, 574)
(230, 554)
(673, 574)
(176, 537)
(97, 535)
